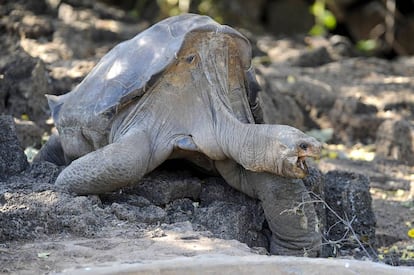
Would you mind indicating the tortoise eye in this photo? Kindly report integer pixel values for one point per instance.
(304, 146)
(190, 58)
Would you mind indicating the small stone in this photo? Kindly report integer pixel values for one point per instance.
(312, 58)
(157, 233)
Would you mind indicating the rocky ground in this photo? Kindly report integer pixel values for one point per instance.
(361, 107)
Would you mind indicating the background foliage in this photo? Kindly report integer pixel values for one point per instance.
(381, 27)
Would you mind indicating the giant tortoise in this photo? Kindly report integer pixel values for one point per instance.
(183, 88)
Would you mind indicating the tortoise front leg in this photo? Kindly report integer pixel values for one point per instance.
(52, 151)
(294, 230)
(114, 166)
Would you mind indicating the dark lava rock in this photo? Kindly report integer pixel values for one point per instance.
(350, 218)
(216, 189)
(47, 212)
(28, 133)
(226, 220)
(315, 184)
(162, 188)
(280, 108)
(23, 87)
(354, 120)
(28, 25)
(148, 214)
(12, 158)
(180, 210)
(289, 97)
(43, 171)
(229, 214)
(395, 140)
(312, 58)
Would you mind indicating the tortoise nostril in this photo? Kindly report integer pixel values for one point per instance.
(304, 146)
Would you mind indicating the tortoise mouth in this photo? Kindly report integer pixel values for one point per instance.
(301, 161)
(308, 152)
(302, 165)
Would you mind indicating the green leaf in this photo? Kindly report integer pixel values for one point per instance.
(329, 20)
(317, 30)
(366, 45)
(318, 8)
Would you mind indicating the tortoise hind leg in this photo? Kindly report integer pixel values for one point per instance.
(294, 231)
(52, 151)
(113, 166)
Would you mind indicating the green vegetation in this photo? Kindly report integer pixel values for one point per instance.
(324, 19)
(367, 46)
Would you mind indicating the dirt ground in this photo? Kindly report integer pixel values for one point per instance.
(318, 85)
(46, 231)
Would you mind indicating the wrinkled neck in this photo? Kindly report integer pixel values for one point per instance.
(256, 147)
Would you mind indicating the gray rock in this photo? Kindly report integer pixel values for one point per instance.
(180, 210)
(216, 189)
(233, 221)
(228, 263)
(312, 58)
(120, 197)
(34, 91)
(163, 188)
(315, 184)
(149, 214)
(310, 93)
(138, 201)
(47, 213)
(280, 108)
(354, 120)
(348, 197)
(15, 69)
(395, 140)
(23, 87)
(29, 25)
(28, 133)
(43, 171)
(291, 97)
(12, 158)
(230, 214)
(38, 177)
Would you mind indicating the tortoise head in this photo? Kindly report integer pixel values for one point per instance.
(278, 149)
(295, 148)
